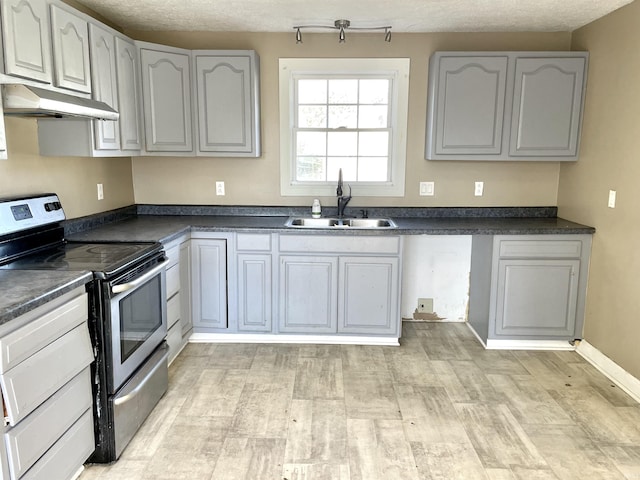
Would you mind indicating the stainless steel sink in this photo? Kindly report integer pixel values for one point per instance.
(360, 223)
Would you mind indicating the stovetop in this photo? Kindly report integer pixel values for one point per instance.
(104, 258)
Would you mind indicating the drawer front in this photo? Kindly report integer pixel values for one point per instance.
(253, 242)
(540, 248)
(24, 342)
(173, 255)
(68, 454)
(174, 340)
(33, 381)
(173, 280)
(35, 434)
(173, 310)
(340, 244)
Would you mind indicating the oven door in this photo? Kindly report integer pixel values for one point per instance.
(138, 322)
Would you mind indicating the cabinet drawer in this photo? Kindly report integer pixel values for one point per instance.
(35, 434)
(173, 310)
(255, 242)
(24, 342)
(173, 280)
(173, 255)
(33, 381)
(174, 340)
(540, 248)
(339, 244)
(68, 454)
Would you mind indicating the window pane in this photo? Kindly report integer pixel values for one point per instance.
(311, 143)
(342, 144)
(374, 91)
(373, 117)
(343, 91)
(310, 169)
(373, 169)
(343, 116)
(374, 144)
(349, 167)
(312, 116)
(312, 91)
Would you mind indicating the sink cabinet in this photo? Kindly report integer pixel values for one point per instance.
(528, 288)
(505, 105)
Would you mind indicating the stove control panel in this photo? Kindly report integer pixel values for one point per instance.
(21, 213)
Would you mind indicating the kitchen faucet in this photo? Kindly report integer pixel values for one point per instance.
(342, 200)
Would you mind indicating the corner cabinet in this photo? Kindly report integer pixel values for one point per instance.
(228, 102)
(166, 99)
(505, 105)
(528, 287)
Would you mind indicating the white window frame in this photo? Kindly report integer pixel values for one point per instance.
(398, 69)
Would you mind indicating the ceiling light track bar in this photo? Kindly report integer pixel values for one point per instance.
(342, 26)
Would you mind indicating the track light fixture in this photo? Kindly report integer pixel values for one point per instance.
(342, 26)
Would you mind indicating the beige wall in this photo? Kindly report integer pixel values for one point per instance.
(257, 181)
(609, 159)
(74, 179)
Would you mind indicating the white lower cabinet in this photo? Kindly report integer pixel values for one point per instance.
(46, 390)
(209, 283)
(255, 292)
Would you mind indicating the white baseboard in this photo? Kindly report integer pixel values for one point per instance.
(303, 339)
(493, 344)
(618, 375)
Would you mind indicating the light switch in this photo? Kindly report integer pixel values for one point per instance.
(427, 189)
(612, 199)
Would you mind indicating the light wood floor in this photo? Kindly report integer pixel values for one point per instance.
(438, 407)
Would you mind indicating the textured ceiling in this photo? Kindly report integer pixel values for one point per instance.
(402, 15)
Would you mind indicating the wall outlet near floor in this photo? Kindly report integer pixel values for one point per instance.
(612, 199)
(479, 189)
(425, 305)
(427, 189)
(219, 188)
(100, 191)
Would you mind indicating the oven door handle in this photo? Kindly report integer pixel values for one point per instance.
(125, 287)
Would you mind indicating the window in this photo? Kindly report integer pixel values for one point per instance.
(347, 114)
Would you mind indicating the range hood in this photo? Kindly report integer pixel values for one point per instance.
(28, 101)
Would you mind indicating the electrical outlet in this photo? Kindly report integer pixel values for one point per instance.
(219, 188)
(612, 199)
(427, 189)
(100, 191)
(425, 305)
(479, 189)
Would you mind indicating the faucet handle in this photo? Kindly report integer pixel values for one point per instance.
(349, 185)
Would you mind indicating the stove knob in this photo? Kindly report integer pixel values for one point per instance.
(57, 205)
(47, 207)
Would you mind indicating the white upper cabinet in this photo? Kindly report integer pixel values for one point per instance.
(505, 105)
(166, 98)
(227, 85)
(128, 94)
(546, 106)
(105, 86)
(26, 36)
(70, 50)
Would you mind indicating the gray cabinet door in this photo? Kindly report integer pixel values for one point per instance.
(254, 292)
(308, 294)
(105, 86)
(27, 41)
(368, 295)
(547, 106)
(166, 97)
(537, 297)
(228, 104)
(469, 105)
(186, 322)
(70, 38)
(209, 283)
(128, 79)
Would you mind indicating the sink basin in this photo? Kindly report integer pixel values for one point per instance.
(371, 223)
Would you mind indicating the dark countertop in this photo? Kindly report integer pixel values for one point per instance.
(165, 228)
(23, 290)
